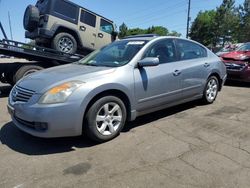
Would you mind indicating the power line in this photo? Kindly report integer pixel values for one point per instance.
(152, 13)
(151, 19)
(150, 8)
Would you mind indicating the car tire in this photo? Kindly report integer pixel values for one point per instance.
(24, 71)
(64, 42)
(211, 90)
(31, 18)
(105, 119)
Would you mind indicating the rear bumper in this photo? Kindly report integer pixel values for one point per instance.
(39, 33)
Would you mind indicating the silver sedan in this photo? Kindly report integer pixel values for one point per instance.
(115, 84)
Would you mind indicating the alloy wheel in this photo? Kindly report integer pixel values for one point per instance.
(65, 44)
(212, 90)
(108, 119)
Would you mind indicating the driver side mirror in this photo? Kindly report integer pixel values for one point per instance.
(149, 62)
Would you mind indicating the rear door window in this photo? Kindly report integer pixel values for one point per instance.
(106, 26)
(88, 18)
(66, 10)
(190, 50)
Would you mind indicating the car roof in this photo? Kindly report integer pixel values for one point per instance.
(147, 37)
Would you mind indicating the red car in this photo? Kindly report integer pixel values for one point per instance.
(238, 63)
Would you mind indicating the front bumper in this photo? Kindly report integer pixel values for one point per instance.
(237, 70)
(243, 75)
(48, 121)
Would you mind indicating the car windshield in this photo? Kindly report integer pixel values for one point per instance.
(114, 55)
(245, 47)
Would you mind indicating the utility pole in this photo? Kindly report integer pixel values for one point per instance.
(188, 18)
(10, 26)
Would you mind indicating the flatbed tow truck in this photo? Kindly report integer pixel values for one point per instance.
(37, 58)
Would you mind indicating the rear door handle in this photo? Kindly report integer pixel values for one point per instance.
(100, 35)
(176, 72)
(206, 65)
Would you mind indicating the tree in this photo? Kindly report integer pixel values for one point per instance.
(159, 30)
(123, 30)
(244, 13)
(174, 33)
(224, 24)
(227, 22)
(202, 29)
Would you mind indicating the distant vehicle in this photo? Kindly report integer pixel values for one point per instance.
(238, 63)
(60, 28)
(228, 48)
(65, 26)
(115, 84)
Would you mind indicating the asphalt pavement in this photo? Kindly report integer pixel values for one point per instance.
(191, 145)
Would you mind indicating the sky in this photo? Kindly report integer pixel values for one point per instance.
(171, 14)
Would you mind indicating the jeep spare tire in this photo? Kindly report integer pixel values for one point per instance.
(31, 18)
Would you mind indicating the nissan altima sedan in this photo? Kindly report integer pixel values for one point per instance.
(126, 79)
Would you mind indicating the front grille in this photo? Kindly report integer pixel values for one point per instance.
(20, 94)
(236, 67)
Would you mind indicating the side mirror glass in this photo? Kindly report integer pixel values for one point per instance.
(149, 62)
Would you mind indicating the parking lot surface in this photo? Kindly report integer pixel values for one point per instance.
(191, 145)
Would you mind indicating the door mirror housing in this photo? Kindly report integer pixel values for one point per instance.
(149, 62)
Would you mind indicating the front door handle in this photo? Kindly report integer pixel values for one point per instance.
(100, 35)
(82, 28)
(206, 65)
(177, 73)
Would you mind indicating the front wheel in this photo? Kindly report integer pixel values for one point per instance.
(105, 119)
(211, 90)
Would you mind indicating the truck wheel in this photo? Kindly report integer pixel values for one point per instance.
(31, 18)
(24, 71)
(105, 119)
(64, 42)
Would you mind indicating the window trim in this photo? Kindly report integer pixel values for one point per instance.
(178, 50)
(83, 10)
(62, 16)
(162, 40)
(101, 19)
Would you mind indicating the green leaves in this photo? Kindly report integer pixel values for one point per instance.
(226, 23)
(160, 30)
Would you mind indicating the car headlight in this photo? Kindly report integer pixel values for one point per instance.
(60, 93)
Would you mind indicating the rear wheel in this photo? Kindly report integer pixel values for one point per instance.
(25, 70)
(105, 119)
(64, 42)
(211, 90)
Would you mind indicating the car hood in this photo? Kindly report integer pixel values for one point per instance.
(236, 55)
(51, 77)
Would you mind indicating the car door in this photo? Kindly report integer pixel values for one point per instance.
(87, 28)
(194, 67)
(158, 85)
(105, 31)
